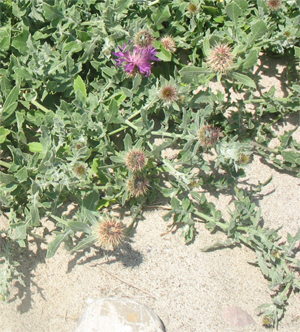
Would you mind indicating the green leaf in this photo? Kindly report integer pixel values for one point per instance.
(164, 55)
(5, 38)
(54, 245)
(251, 58)
(22, 175)
(258, 29)
(80, 85)
(3, 133)
(291, 157)
(85, 243)
(20, 42)
(11, 98)
(297, 52)
(242, 3)
(91, 200)
(243, 79)
(193, 71)
(206, 46)
(35, 147)
(73, 47)
(122, 5)
(161, 16)
(112, 112)
(262, 264)
(77, 226)
(52, 13)
(127, 142)
(233, 11)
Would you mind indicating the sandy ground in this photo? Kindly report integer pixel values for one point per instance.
(189, 289)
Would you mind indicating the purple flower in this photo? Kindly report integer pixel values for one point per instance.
(140, 59)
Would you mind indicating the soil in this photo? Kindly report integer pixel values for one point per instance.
(188, 288)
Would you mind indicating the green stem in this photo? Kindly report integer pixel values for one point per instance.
(5, 164)
(39, 106)
(205, 217)
(159, 133)
(130, 124)
(260, 146)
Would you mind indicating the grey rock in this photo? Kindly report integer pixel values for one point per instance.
(115, 314)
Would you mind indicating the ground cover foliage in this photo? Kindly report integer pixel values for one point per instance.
(83, 121)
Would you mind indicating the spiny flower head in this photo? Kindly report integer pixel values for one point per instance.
(137, 61)
(110, 232)
(208, 136)
(139, 185)
(168, 93)
(143, 39)
(169, 44)
(221, 58)
(274, 5)
(136, 160)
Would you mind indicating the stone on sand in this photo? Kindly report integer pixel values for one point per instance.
(115, 314)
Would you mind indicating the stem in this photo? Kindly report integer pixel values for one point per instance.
(5, 164)
(205, 217)
(263, 147)
(39, 106)
(131, 125)
(158, 133)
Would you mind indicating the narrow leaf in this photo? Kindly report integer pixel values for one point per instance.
(243, 79)
(80, 85)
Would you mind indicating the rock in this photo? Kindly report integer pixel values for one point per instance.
(237, 317)
(115, 314)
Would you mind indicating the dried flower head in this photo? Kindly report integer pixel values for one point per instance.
(110, 232)
(221, 58)
(139, 185)
(169, 44)
(244, 159)
(208, 136)
(267, 321)
(168, 93)
(80, 169)
(136, 160)
(193, 8)
(143, 39)
(274, 5)
(139, 61)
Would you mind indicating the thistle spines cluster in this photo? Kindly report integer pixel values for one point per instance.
(143, 39)
(169, 44)
(209, 136)
(221, 58)
(110, 232)
(168, 93)
(138, 185)
(136, 161)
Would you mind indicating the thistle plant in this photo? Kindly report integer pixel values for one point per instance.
(67, 111)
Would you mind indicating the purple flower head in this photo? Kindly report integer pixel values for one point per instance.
(139, 59)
